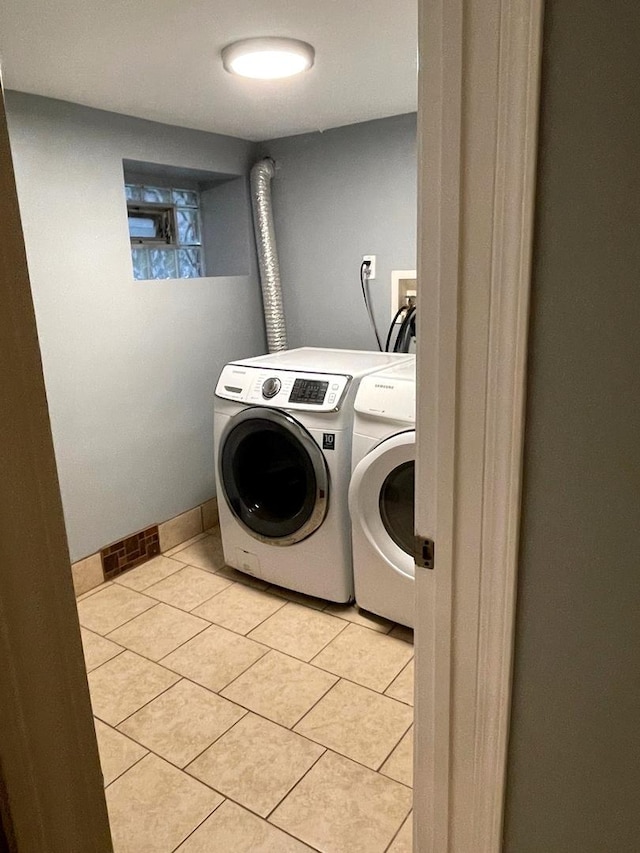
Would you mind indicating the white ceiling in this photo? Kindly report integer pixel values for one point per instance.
(160, 59)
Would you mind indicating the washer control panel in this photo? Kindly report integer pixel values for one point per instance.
(283, 389)
(311, 391)
(270, 387)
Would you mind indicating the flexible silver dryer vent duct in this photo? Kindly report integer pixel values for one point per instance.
(261, 175)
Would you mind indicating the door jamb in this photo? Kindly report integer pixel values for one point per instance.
(51, 788)
(478, 112)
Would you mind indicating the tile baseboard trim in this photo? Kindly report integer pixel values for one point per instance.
(141, 546)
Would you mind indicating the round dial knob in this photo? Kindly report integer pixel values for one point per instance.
(270, 387)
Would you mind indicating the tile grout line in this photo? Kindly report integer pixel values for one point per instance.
(355, 684)
(166, 666)
(252, 813)
(326, 672)
(306, 713)
(394, 678)
(290, 834)
(284, 604)
(402, 736)
(117, 655)
(182, 546)
(349, 757)
(246, 636)
(342, 630)
(164, 758)
(244, 805)
(397, 833)
(201, 631)
(144, 657)
(381, 692)
(294, 786)
(171, 553)
(196, 828)
(215, 740)
(297, 660)
(201, 603)
(126, 622)
(244, 672)
(137, 761)
(192, 540)
(334, 752)
(291, 728)
(91, 592)
(142, 566)
(314, 656)
(124, 719)
(150, 660)
(406, 666)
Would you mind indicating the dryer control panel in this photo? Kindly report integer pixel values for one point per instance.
(283, 389)
(386, 398)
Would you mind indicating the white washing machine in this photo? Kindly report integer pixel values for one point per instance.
(381, 494)
(283, 429)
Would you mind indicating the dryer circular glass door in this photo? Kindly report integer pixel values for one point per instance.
(381, 499)
(274, 476)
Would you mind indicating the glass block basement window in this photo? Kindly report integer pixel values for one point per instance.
(165, 232)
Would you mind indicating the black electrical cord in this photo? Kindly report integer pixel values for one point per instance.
(410, 330)
(392, 326)
(404, 335)
(366, 265)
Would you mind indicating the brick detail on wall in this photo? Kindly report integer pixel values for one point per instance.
(130, 552)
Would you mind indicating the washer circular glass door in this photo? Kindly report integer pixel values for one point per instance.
(381, 499)
(274, 476)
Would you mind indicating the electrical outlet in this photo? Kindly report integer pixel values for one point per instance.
(372, 265)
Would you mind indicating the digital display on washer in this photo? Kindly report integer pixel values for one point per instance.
(308, 391)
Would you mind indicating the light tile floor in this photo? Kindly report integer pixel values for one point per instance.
(236, 716)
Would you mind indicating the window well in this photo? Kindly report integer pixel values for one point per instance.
(186, 223)
(165, 231)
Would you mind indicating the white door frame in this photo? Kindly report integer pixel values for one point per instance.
(479, 91)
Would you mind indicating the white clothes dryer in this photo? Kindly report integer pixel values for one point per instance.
(381, 494)
(283, 426)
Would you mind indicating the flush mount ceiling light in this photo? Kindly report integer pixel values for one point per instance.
(268, 58)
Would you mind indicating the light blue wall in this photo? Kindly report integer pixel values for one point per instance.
(339, 195)
(130, 367)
